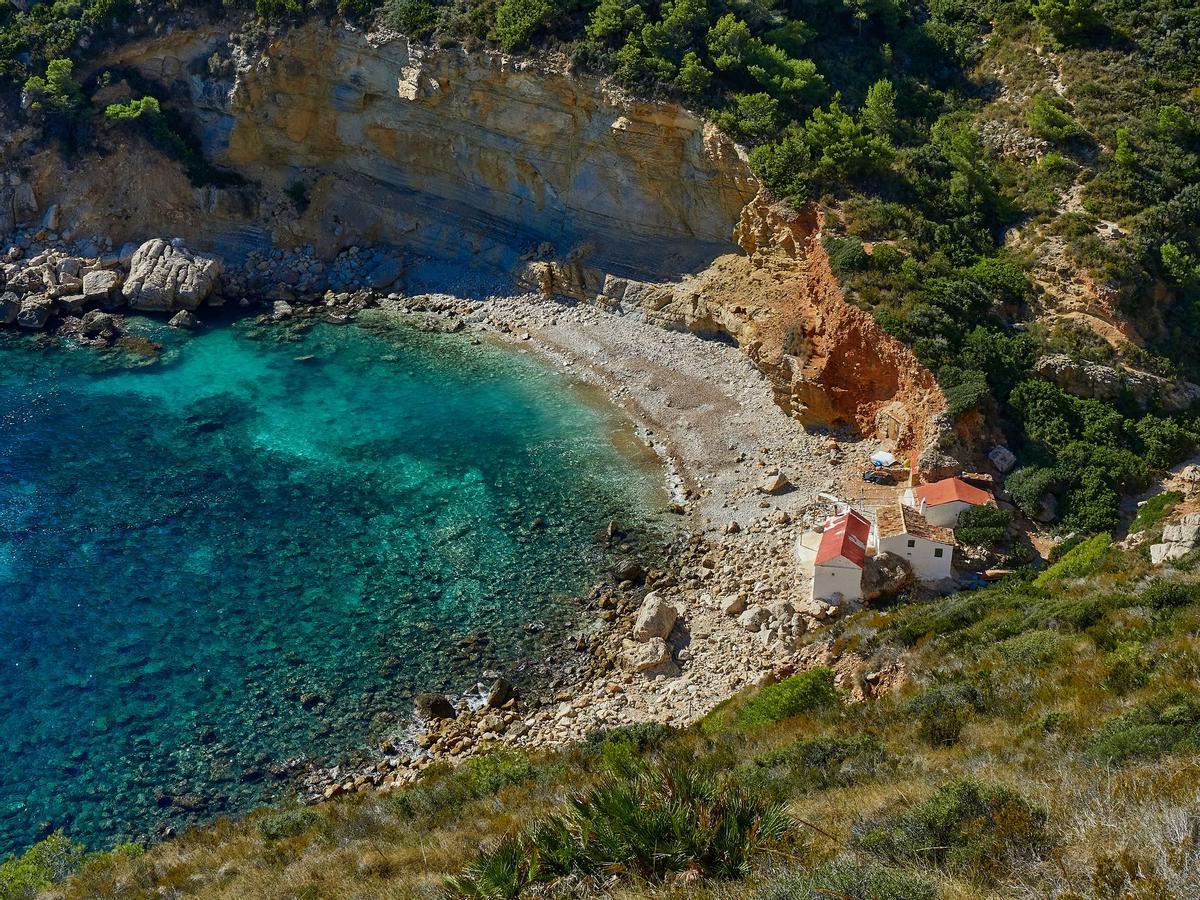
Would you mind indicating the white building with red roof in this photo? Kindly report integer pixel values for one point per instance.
(840, 555)
(941, 502)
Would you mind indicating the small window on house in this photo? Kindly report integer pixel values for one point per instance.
(912, 543)
(938, 551)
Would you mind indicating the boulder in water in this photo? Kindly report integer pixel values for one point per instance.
(35, 312)
(501, 692)
(434, 706)
(165, 277)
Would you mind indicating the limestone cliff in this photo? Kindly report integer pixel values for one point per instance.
(450, 153)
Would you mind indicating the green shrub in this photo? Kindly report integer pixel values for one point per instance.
(1080, 561)
(943, 711)
(983, 526)
(643, 826)
(480, 776)
(620, 750)
(965, 390)
(1128, 667)
(1033, 649)
(1066, 20)
(412, 17)
(45, 863)
(133, 110)
(1029, 485)
(57, 92)
(846, 254)
(815, 764)
(1165, 724)
(976, 828)
(807, 692)
(517, 21)
(1155, 510)
(287, 823)
(1049, 117)
(849, 880)
(297, 192)
(1168, 593)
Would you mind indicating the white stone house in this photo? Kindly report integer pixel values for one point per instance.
(840, 557)
(928, 548)
(941, 502)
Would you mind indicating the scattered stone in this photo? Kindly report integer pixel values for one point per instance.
(647, 656)
(1002, 458)
(734, 606)
(775, 484)
(754, 618)
(628, 570)
(885, 575)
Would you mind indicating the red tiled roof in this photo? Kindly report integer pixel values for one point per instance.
(846, 536)
(948, 490)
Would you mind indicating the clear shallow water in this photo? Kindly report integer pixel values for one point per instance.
(187, 548)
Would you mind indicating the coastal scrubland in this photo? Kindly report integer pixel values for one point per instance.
(1046, 742)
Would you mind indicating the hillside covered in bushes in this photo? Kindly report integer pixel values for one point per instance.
(1046, 744)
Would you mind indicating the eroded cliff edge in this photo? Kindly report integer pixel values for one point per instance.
(514, 167)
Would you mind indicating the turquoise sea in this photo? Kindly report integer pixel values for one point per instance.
(261, 545)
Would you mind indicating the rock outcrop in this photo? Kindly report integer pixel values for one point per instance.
(164, 277)
(1178, 540)
(1097, 381)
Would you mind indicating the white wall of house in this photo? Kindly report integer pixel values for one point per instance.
(831, 578)
(945, 514)
(930, 560)
(806, 551)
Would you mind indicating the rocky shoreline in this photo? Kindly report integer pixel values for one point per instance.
(727, 609)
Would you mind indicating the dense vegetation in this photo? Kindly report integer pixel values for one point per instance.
(877, 109)
(1046, 743)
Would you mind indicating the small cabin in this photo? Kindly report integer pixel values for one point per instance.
(941, 502)
(928, 548)
(840, 557)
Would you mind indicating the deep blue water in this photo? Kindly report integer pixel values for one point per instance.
(188, 547)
